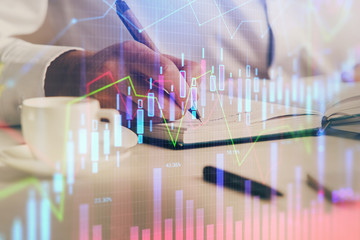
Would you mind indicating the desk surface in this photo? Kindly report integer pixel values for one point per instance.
(121, 197)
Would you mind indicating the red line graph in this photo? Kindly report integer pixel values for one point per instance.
(109, 75)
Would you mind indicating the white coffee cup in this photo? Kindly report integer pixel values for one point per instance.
(49, 124)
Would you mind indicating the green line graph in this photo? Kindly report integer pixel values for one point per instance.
(175, 139)
(21, 185)
(128, 78)
(58, 211)
(265, 132)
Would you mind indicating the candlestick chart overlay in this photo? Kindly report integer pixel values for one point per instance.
(275, 84)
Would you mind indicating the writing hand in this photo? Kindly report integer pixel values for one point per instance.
(73, 71)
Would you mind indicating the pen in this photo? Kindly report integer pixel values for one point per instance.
(311, 182)
(134, 27)
(342, 195)
(237, 183)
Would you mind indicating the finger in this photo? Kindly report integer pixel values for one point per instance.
(192, 69)
(117, 96)
(130, 113)
(150, 95)
(140, 58)
(130, 105)
(170, 111)
(141, 63)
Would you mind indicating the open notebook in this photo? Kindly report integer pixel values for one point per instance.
(222, 123)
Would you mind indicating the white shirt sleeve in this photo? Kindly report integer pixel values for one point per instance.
(23, 65)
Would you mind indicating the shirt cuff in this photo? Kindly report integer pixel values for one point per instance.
(23, 75)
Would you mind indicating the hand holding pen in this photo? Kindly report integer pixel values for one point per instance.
(135, 29)
(78, 72)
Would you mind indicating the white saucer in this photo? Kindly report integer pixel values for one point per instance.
(20, 158)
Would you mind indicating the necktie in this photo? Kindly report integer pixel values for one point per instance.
(271, 49)
(245, 36)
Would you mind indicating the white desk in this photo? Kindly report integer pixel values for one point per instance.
(130, 188)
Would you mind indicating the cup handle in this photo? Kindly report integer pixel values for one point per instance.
(114, 124)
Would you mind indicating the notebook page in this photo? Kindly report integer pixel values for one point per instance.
(228, 113)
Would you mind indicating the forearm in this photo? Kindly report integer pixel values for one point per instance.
(23, 73)
(66, 74)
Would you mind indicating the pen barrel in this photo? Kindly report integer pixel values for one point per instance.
(133, 25)
(237, 183)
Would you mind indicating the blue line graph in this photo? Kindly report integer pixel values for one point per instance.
(111, 6)
(99, 17)
(170, 14)
(241, 23)
(74, 21)
(221, 14)
(27, 67)
(200, 24)
(232, 35)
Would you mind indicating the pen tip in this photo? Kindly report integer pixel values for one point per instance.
(198, 116)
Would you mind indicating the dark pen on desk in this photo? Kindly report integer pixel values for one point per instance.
(238, 183)
(134, 27)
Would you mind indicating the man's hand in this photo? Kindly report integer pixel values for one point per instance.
(70, 74)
